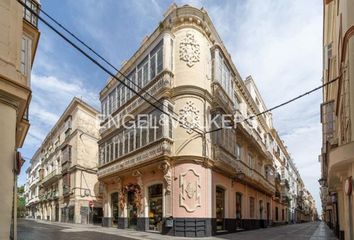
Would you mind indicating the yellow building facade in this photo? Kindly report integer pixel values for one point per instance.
(19, 37)
(337, 114)
(62, 178)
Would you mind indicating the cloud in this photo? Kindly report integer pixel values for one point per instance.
(279, 44)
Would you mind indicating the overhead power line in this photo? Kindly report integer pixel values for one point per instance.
(295, 98)
(283, 104)
(98, 55)
(125, 77)
(104, 68)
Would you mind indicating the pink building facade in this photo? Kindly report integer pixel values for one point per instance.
(185, 176)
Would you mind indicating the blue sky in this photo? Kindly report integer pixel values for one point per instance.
(277, 42)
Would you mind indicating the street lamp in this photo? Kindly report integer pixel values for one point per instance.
(322, 182)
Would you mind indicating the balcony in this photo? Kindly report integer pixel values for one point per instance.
(341, 157)
(65, 166)
(52, 195)
(51, 177)
(32, 201)
(33, 183)
(28, 15)
(161, 85)
(156, 149)
(256, 140)
(221, 98)
(225, 160)
(66, 190)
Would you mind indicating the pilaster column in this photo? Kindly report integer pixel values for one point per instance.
(7, 156)
(167, 175)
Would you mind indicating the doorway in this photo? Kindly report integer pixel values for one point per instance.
(238, 211)
(268, 212)
(56, 212)
(114, 208)
(132, 210)
(220, 209)
(155, 207)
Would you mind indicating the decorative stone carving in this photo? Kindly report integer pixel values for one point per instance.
(189, 196)
(189, 117)
(189, 50)
(166, 168)
(138, 175)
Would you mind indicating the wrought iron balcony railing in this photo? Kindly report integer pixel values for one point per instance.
(51, 177)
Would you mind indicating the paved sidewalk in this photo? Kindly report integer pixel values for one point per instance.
(308, 231)
(323, 232)
(71, 227)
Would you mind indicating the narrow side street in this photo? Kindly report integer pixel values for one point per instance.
(40, 230)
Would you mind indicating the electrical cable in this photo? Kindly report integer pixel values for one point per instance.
(104, 68)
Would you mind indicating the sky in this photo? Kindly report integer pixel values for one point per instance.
(278, 42)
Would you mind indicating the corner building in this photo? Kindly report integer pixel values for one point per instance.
(169, 178)
(19, 37)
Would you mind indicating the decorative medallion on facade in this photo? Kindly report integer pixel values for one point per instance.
(189, 50)
(189, 185)
(189, 117)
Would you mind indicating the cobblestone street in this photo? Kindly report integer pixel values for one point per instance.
(39, 230)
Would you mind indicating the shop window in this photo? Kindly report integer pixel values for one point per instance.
(155, 207)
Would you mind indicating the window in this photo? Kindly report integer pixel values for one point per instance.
(66, 153)
(119, 91)
(26, 46)
(112, 102)
(104, 108)
(252, 215)
(122, 95)
(156, 61)
(238, 151)
(171, 43)
(66, 183)
(328, 120)
(224, 77)
(146, 70)
(115, 148)
(238, 205)
(250, 161)
(128, 140)
(28, 15)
